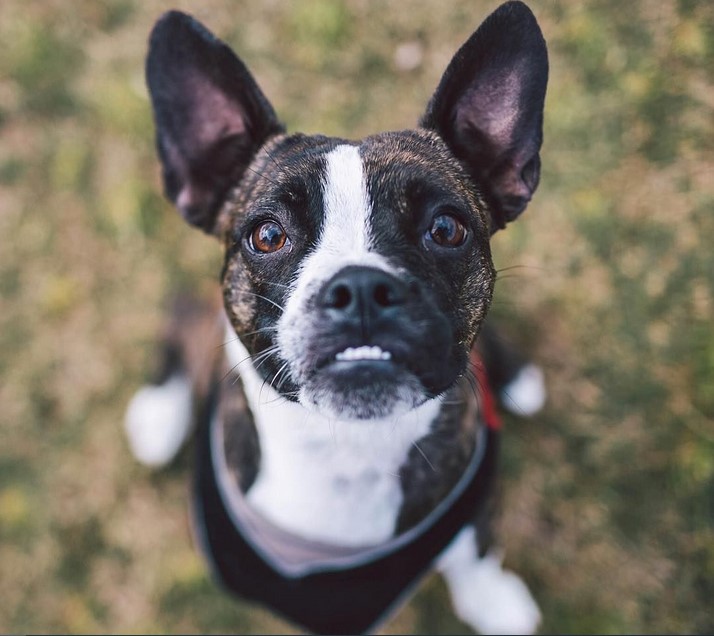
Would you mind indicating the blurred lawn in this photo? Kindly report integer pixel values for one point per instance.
(609, 494)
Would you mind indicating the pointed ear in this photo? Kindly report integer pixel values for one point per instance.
(489, 108)
(210, 115)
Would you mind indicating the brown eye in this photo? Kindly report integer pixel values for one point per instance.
(446, 230)
(268, 237)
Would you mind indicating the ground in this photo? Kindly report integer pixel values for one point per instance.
(607, 280)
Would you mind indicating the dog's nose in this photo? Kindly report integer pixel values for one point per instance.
(362, 292)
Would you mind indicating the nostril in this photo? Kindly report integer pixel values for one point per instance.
(383, 295)
(340, 297)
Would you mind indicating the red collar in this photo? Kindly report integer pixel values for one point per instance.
(488, 402)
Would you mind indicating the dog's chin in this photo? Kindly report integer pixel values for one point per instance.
(362, 391)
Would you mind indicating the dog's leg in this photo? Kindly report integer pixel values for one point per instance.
(484, 595)
(518, 383)
(160, 415)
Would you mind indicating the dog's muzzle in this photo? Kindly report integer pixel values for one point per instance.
(370, 345)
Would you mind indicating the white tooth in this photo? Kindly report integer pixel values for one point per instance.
(363, 353)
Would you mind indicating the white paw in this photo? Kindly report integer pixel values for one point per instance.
(158, 421)
(525, 394)
(493, 600)
(484, 595)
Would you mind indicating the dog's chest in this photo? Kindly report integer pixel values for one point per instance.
(334, 481)
(327, 482)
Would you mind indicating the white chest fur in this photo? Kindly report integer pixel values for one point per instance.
(329, 480)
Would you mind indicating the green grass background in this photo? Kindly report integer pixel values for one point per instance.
(608, 494)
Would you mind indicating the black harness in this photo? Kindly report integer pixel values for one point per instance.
(335, 590)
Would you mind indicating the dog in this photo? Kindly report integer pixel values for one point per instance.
(347, 435)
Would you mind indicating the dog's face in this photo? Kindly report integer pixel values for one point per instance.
(378, 255)
(357, 274)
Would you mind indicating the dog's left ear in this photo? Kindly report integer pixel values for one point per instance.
(211, 116)
(489, 108)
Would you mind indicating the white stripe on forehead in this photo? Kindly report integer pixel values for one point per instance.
(345, 236)
(347, 205)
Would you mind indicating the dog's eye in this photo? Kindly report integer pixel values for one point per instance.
(446, 230)
(268, 237)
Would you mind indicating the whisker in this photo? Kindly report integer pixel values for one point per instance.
(508, 395)
(471, 379)
(262, 176)
(227, 342)
(501, 302)
(268, 351)
(274, 382)
(262, 356)
(519, 266)
(265, 298)
(269, 329)
(260, 393)
(475, 382)
(276, 284)
(426, 459)
(233, 368)
(276, 386)
(278, 398)
(274, 160)
(272, 329)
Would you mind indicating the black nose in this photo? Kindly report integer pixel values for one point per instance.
(362, 293)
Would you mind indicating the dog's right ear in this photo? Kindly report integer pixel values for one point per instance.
(211, 117)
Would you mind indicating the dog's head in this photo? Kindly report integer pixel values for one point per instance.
(357, 274)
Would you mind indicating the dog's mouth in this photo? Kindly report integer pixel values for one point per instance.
(363, 381)
(357, 356)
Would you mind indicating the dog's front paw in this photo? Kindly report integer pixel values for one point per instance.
(493, 600)
(484, 595)
(158, 421)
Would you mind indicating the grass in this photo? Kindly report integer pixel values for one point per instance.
(608, 494)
